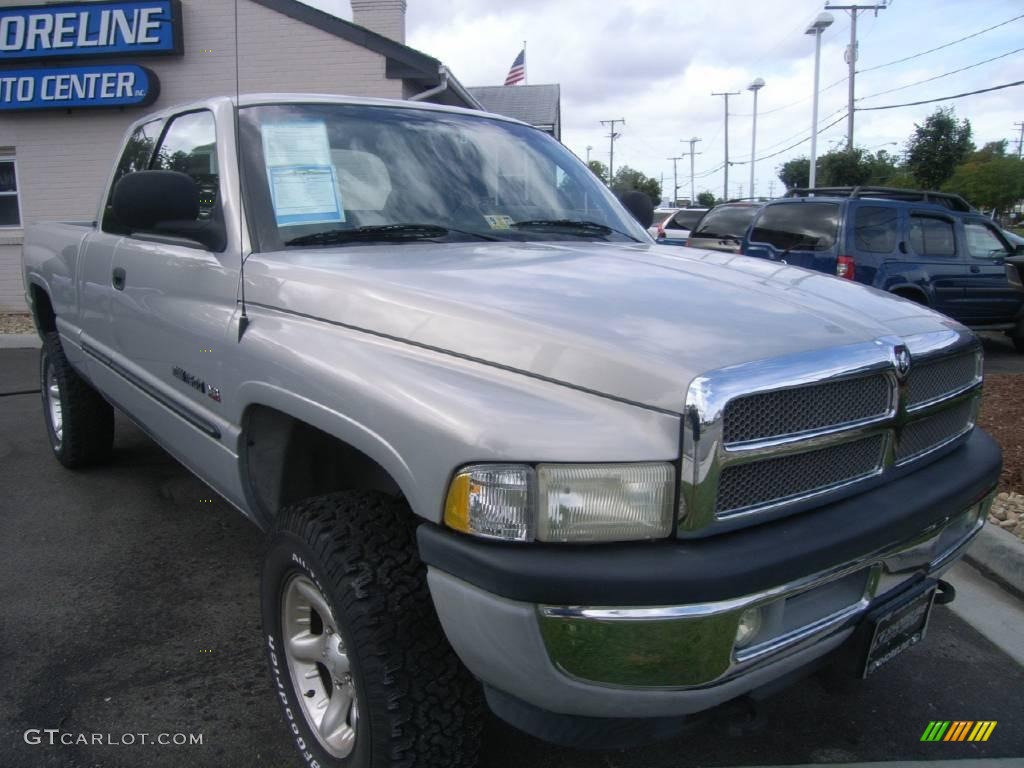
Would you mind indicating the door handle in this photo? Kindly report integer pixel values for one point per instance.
(975, 268)
(117, 278)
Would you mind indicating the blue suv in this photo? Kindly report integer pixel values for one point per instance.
(929, 247)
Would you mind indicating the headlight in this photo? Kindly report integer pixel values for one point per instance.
(563, 502)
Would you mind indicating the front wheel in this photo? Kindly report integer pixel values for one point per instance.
(359, 661)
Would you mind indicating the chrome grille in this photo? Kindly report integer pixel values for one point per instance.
(930, 380)
(932, 431)
(758, 483)
(792, 411)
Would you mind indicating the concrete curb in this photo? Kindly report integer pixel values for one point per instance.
(1000, 556)
(19, 341)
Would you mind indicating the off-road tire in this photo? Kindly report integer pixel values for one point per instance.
(87, 420)
(417, 704)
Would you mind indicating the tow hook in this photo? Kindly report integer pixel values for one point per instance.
(946, 593)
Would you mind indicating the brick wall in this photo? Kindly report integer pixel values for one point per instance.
(64, 158)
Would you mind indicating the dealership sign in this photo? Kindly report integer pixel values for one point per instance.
(79, 30)
(138, 28)
(76, 87)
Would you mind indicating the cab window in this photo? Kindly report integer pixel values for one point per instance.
(189, 146)
(136, 156)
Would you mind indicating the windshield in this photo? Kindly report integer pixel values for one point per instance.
(726, 221)
(331, 174)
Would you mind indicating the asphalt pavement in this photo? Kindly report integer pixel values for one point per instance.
(129, 606)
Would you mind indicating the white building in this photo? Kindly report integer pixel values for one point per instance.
(56, 154)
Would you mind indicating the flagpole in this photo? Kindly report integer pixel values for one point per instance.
(524, 64)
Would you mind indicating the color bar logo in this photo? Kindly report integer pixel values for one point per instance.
(958, 730)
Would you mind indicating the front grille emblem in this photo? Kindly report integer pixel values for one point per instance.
(901, 356)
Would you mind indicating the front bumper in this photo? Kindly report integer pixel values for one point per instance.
(617, 655)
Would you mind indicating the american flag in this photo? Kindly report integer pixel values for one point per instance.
(517, 74)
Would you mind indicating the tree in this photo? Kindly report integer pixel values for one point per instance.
(628, 179)
(795, 173)
(994, 184)
(885, 168)
(599, 169)
(706, 199)
(844, 168)
(938, 147)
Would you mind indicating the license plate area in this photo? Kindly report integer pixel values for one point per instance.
(897, 626)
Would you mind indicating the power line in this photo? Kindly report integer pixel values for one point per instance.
(943, 98)
(793, 146)
(841, 80)
(940, 47)
(944, 74)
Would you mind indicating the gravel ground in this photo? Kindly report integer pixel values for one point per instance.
(16, 322)
(1002, 416)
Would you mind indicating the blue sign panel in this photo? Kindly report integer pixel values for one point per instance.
(77, 87)
(133, 27)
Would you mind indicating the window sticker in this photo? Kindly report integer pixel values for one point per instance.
(498, 221)
(303, 182)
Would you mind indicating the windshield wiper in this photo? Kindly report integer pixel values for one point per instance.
(382, 233)
(580, 225)
(803, 242)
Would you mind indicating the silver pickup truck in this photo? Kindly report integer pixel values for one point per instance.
(504, 447)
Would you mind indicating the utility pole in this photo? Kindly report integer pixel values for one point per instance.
(851, 57)
(740, 195)
(589, 147)
(726, 94)
(1020, 141)
(612, 136)
(675, 178)
(771, 189)
(692, 142)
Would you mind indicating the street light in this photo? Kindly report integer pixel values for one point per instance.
(818, 26)
(755, 86)
(588, 153)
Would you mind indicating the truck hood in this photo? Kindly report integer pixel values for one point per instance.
(632, 322)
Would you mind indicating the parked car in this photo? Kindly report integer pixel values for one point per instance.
(722, 228)
(676, 228)
(503, 448)
(660, 216)
(929, 247)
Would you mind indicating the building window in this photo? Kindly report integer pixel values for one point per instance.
(10, 207)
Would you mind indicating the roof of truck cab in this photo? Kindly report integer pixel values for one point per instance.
(258, 99)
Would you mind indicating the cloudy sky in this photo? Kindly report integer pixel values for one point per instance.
(656, 64)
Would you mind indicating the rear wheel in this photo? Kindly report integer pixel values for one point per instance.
(79, 422)
(360, 663)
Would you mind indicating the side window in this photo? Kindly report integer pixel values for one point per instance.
(10, 211)
(875, 229)
(983, 242)
(189, 146)
(932, 236)
(137, 152)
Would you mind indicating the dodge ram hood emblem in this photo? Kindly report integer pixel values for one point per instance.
(901, 356)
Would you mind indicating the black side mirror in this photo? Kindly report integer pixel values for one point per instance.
(640, 205)
(165, 203)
